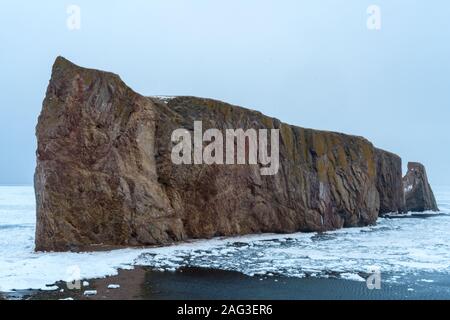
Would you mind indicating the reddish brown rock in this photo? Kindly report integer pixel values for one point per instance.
(104, 174)
(96, 180)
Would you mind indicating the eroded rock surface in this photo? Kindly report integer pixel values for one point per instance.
(104, 174)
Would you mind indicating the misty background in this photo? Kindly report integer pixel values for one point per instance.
(309, 63)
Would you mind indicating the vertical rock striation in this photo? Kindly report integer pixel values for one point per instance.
(389, 183)
(104, 173)
(96, 179)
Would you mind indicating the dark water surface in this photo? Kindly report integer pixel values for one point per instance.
(196, 283)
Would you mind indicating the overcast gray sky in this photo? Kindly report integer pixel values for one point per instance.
(310, 63)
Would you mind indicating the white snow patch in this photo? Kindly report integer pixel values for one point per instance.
(90, 292)
(408, 188)
(165, 99)
(49, 288)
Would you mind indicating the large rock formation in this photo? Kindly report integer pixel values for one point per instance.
(418, 194)
(104, 173)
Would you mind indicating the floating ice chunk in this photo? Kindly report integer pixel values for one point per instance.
(352, 277)
(50, 288)
(90, 292)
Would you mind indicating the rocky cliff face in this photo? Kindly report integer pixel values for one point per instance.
(104, 173)
(418, 194)
(96, 180)
(389, 186)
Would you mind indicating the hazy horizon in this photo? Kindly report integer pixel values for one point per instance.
(313, 64)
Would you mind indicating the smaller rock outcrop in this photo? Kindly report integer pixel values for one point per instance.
(418, 194)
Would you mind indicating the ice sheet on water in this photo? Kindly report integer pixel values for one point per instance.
(397, 246)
